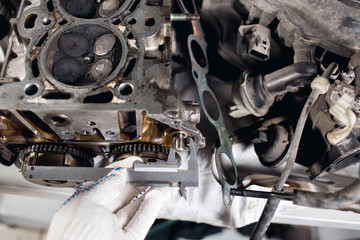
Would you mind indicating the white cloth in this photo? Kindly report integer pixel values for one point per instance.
(107, 209)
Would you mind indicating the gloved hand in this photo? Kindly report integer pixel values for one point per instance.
(113, 208)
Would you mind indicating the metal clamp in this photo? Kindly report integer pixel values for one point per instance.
(165, 174)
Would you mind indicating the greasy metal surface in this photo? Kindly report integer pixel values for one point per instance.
(141, 33)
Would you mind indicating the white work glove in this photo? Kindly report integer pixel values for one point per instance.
(111, 208)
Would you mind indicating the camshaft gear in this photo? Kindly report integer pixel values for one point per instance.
(53, 155)
(148, 151)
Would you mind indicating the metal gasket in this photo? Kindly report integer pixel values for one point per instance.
(197, 50)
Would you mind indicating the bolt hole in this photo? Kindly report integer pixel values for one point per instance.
(31, 89)
(58, 120)
(46, 21)
(149, 22)
(126, 89)
(131, 21)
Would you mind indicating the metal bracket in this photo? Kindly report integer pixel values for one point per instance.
(166, 174)
(65, 173)
(142, 174)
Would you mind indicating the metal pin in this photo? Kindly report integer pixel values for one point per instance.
(179, 17)
(179, 140)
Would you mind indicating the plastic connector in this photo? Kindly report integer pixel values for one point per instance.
(341, 112)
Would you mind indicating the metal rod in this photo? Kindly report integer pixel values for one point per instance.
(265, 219)
(292, 152)
(181, 17)
(261, 194)
(272, 204)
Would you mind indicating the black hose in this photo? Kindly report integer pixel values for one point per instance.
(290, 77)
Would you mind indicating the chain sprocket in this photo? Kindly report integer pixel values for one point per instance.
(53, 155)
(54, 148)
(145, 150)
